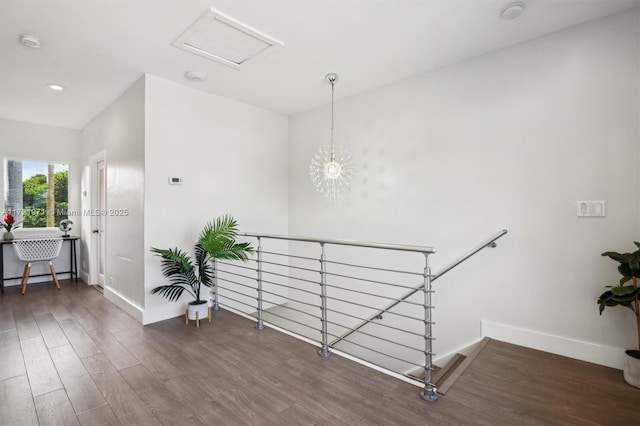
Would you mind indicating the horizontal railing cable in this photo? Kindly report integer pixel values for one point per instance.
(378, 324)
(288, 307)
(291, 288)
(291, 277)
(289, 255)
(236, 274)
(238, 292)
(295, 322)
(235, 282)
(378, 352)
(354, 265)
(379, 338)
(290, 266)
(374, 308)
(237, 301)
(236, 265)
(374, 295)
(369, 281)
(293, 300)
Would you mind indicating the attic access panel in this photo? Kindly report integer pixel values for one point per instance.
(220, 38)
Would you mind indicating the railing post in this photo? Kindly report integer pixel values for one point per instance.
(429, 393)
(214, 289)
(324, 351)
(260, 323)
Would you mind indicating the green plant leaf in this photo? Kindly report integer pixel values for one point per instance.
(618, 296)
(623, 257)
(624, 279)
(205, 269)
(179, 269)
(218, 238)
(171, 292)
(623, 290)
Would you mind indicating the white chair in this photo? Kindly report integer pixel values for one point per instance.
(37, 248)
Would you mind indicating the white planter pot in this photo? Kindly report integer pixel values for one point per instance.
(631, 369)
(202, 310)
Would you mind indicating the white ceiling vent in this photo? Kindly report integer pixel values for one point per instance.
(220, 38)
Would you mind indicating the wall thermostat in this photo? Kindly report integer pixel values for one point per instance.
(175, 181)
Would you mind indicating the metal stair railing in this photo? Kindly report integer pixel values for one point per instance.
(284, 291)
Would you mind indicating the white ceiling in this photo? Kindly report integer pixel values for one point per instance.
(98, 48)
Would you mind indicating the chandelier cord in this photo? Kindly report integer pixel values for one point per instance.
(333, 155)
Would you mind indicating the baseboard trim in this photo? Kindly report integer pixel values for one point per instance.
(123, 303)
(578, 349)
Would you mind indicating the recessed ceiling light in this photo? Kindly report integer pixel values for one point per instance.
(30, 41)
(512, 11)
(56, 87)
(195, 76)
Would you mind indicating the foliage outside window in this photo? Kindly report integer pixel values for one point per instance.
(36, 192)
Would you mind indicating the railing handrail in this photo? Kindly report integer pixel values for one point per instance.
(400, 247)
(489, 243)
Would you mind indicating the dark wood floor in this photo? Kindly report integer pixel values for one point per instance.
(71, 356)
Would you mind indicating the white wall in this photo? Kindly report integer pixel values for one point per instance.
(511, 140)
(232, 158)
(29, 141)
(119, 131)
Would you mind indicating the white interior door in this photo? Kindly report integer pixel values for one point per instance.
(101, 221)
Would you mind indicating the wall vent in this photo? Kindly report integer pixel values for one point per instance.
(220, 38)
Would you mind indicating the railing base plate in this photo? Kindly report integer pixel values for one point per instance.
(429, 395)
(324, 353)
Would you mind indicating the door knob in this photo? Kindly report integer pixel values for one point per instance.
(95, 231)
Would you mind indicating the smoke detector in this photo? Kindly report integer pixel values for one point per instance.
(30, 41)
(195, 76)
(512, 11)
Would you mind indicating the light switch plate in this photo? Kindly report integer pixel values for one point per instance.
(591, 208)
(175, 180)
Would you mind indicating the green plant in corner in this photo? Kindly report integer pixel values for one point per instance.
(217, 241)
(625, 294)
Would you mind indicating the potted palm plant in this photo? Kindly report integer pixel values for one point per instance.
(626, 294)
(217, 241)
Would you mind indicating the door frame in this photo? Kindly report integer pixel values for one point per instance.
(94, 219)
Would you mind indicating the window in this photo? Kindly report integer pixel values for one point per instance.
(36, 192)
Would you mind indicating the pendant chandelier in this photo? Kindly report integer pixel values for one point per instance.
(332, 169)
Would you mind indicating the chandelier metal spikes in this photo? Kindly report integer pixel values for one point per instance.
(332, 169)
